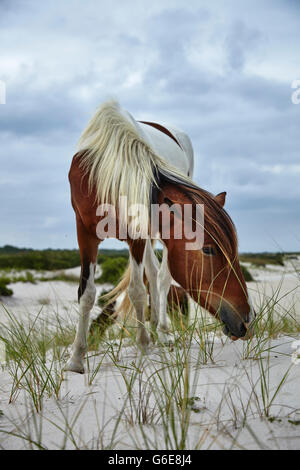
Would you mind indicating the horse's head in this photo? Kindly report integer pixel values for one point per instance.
(211, 273)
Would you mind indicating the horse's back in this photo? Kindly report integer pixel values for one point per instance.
(186, 145)
(178, 150)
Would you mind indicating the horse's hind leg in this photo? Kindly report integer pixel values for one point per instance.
(88, 246)
(137, 291)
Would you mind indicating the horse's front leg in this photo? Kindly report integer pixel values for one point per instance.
(164, 284)
(151, 270)
(88, 246)
(137, 291)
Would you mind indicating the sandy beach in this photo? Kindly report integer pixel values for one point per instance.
(226, 407)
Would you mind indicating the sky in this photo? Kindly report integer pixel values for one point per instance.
(221, 70)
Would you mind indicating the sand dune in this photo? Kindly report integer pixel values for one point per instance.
(224, 388)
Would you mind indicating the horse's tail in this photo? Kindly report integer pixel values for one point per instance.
(125, 308)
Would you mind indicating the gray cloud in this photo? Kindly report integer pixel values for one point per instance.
(222, 74)
(239, 41)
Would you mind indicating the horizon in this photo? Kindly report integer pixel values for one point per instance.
(127, 249)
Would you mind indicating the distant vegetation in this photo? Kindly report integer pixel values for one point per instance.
(113, 264)
(261, 259)
(19, 258)
(48, 260)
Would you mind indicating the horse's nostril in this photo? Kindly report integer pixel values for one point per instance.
(243, 330)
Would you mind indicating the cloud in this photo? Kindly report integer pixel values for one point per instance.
(239, 42)
(223, 74)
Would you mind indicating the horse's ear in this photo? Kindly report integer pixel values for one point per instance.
(220, 198)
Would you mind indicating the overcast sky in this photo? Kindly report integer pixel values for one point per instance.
(220, 70)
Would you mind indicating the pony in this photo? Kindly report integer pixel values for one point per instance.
(150, 164)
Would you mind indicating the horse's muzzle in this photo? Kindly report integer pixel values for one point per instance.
(235, 327)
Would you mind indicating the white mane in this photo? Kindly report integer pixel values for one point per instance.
(118, 161)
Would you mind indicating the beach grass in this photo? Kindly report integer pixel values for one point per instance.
(163, 395)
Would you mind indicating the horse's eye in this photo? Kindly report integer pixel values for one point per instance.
(208, 250)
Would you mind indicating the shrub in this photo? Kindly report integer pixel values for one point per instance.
(4, 290)
(27, 278)
(112, 270)
(247, 275)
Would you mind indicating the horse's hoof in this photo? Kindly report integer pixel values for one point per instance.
(73, 366)
(143, 340)
(144, 347)
(166, 339)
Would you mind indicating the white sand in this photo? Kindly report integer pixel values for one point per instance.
(48, 300)
(223, 388)
(280, 283)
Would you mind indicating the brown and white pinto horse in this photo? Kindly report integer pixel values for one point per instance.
(118, 157)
